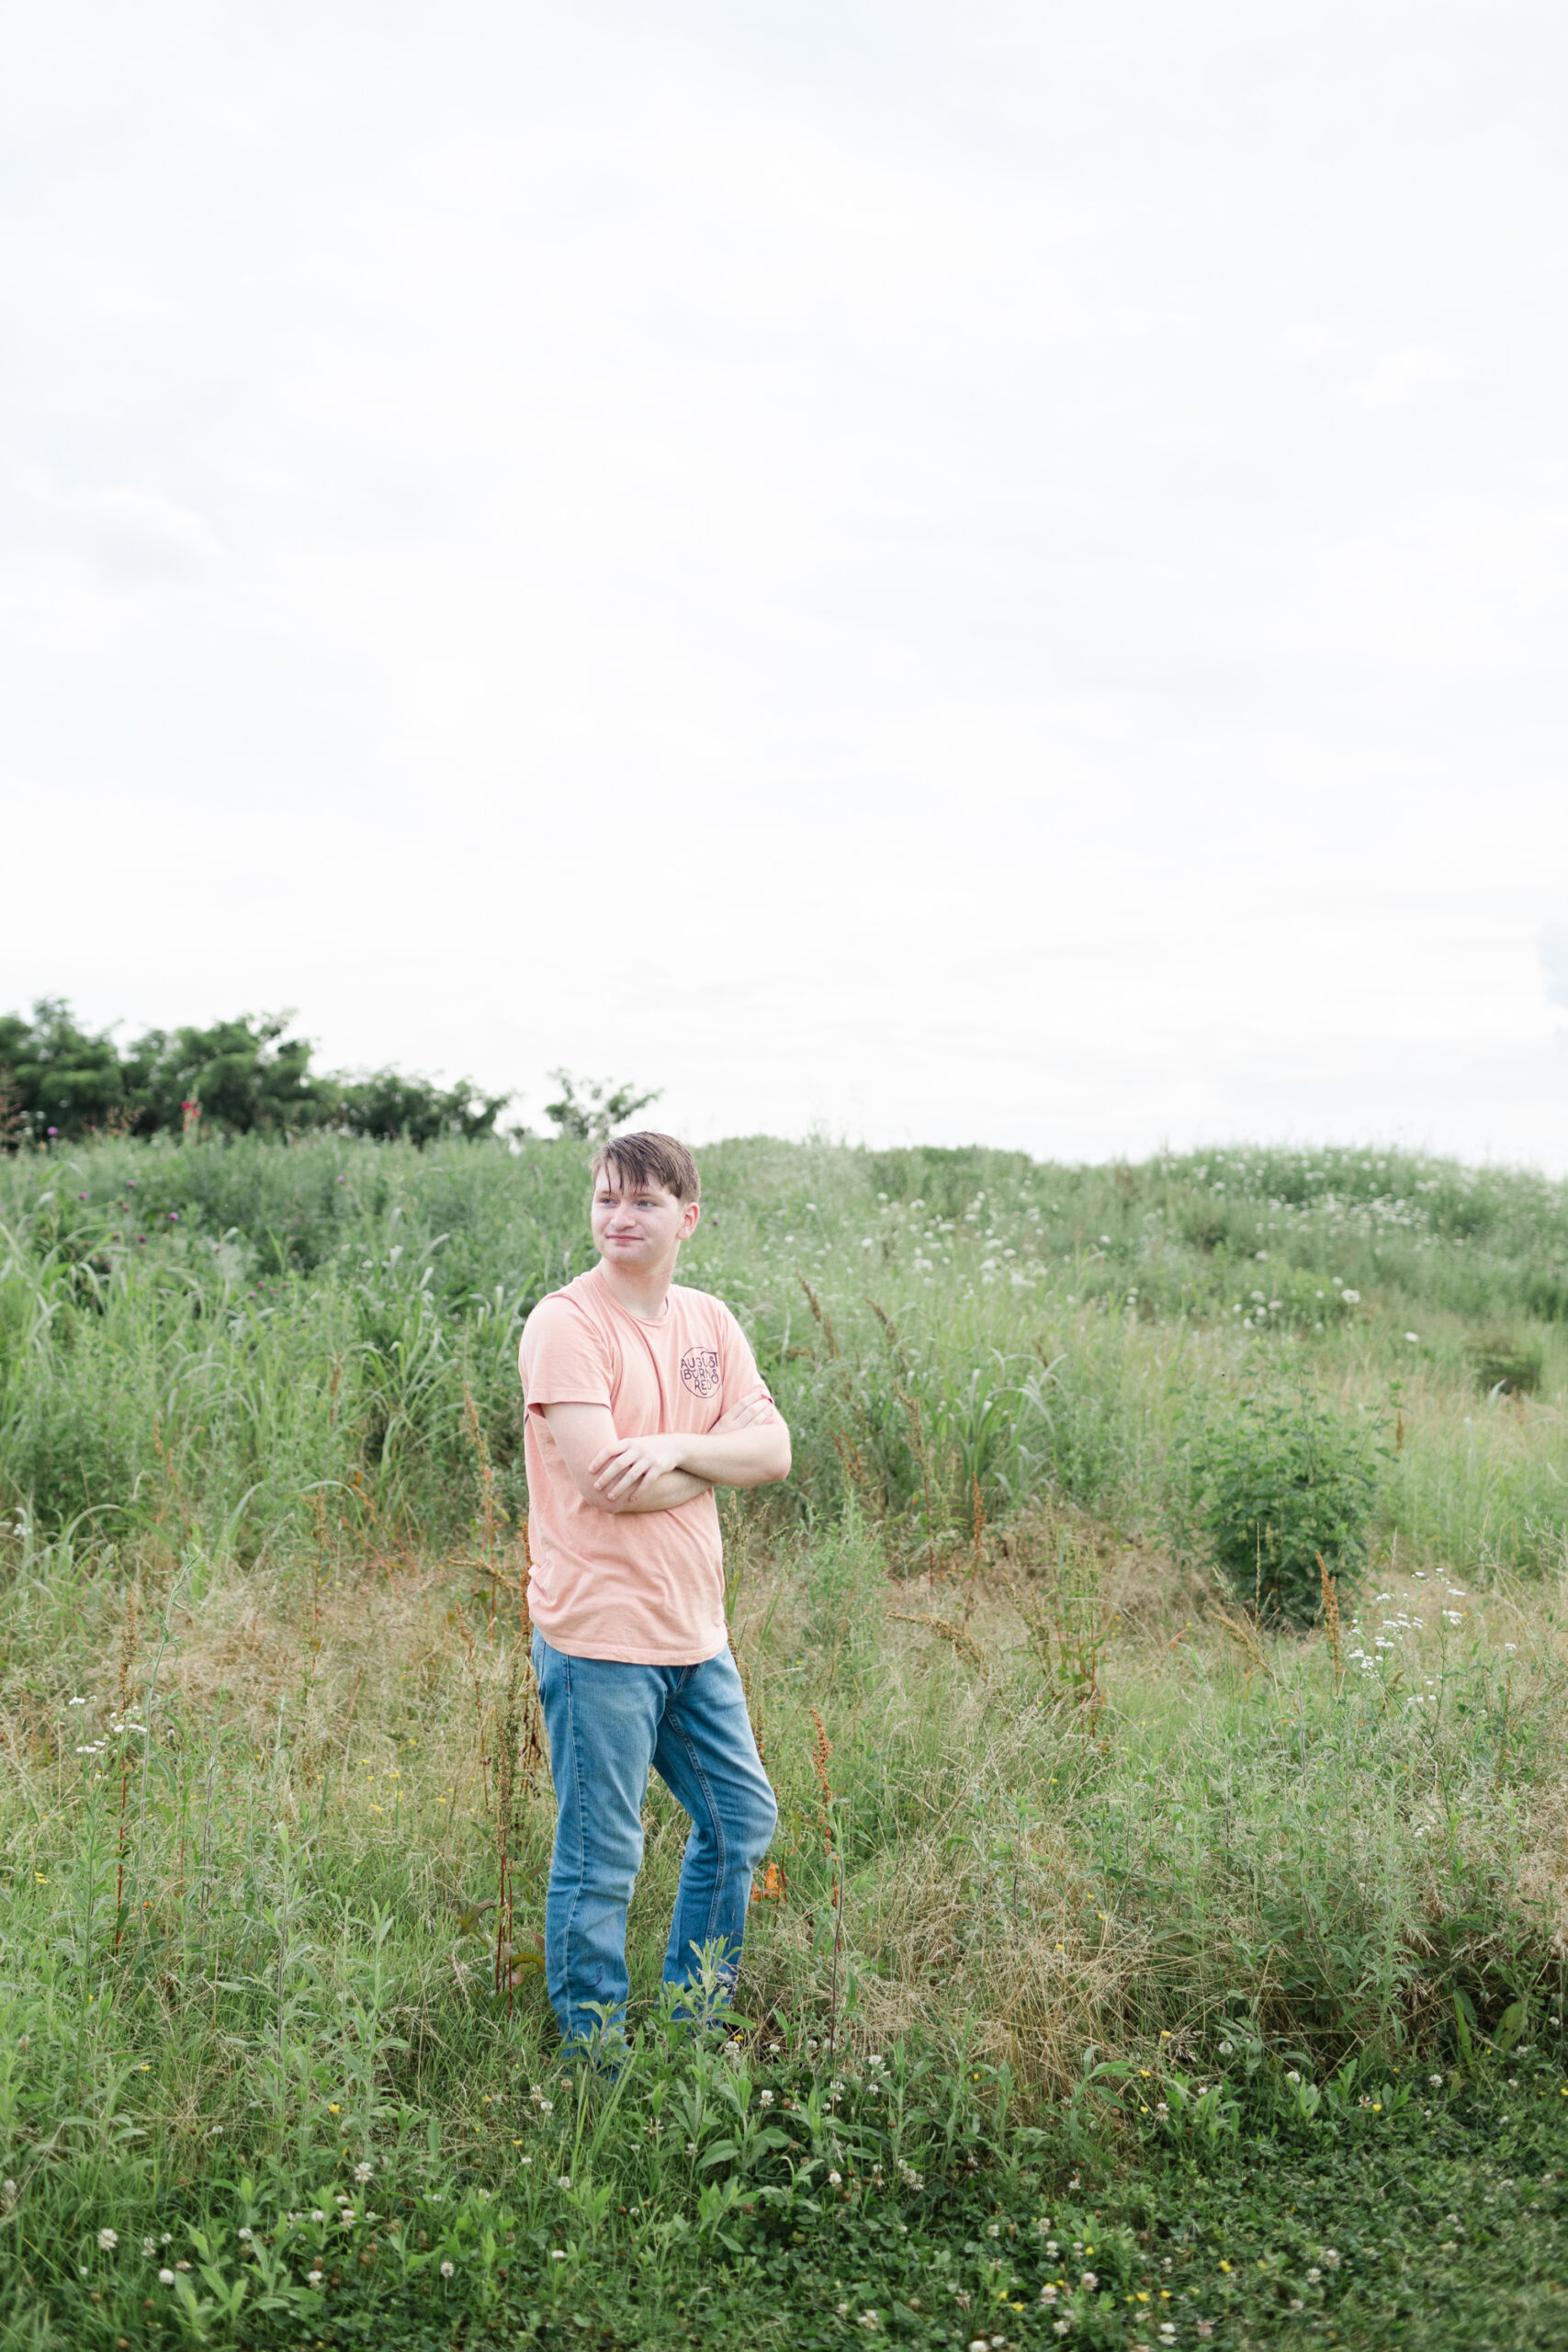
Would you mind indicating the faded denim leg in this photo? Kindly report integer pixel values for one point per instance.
(608, 1722)
(603, 1721)
(707, 1758)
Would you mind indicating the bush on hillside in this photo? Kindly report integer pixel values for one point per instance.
(1281, 1481)
(246, 1076)
(589, 1110)
(1506, 1365)
(385, 1104)
(54, 1077)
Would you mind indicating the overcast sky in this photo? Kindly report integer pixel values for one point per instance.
(978, 572)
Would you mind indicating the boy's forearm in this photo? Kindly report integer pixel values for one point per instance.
(664, 1469)
(748, 1457)
(668, 1491)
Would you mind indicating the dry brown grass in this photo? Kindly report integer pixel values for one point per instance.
(1023, 1864)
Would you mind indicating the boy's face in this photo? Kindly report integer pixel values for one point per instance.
(636, 1226)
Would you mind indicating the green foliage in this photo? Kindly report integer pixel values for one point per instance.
(1041, 1342)
(387, 1105)
(245, 1074)
(54, 1077)
(1506, 1365)
(1213, 1916)
(241, 1077)
(589, 1110)
(248, 1939)
(1285, 1488)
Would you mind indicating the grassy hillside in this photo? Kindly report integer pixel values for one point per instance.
(1113, 1912)
(243, 1324)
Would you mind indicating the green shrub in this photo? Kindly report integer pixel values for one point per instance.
(386, 1104)
(59, 1082)
(1279, 1483)
(1501, 1361)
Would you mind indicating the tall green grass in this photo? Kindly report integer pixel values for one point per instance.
(207, 1338)
(1107, 1878)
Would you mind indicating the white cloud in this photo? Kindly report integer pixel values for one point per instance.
(1399, 374)
(130, 534)
(1554, 955)
(824, 559)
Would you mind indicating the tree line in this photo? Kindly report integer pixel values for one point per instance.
(60, 1082)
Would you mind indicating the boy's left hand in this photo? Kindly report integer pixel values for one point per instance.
(622, 1470)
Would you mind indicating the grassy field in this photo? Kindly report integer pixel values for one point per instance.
(1134, 1969)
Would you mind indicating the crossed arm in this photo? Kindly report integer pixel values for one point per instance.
(749, 1448)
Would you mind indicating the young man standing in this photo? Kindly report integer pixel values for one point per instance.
(642, 1396)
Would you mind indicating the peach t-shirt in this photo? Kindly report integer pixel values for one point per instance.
(644, 1586)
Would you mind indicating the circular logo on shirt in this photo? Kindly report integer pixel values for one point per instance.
(699, 1371)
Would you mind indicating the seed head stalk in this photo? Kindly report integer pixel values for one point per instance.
(821, 1749)
(126, 1654)
(1331, 1621)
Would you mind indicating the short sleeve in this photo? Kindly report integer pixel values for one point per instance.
(563, 1360)
(743, 1384)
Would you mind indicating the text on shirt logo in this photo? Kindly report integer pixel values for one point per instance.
(699, 1371)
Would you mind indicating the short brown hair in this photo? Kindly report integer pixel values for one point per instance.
(650, 1160)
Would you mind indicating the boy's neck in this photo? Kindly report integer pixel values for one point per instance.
(644, 1295)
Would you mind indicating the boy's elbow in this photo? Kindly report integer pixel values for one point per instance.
(782, 1459)
(592, 1496)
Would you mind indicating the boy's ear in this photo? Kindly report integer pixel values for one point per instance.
(690, 1216)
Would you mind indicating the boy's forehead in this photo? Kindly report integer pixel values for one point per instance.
(610, 1180)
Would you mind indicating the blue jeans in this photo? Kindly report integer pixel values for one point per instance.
(608, 1722)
